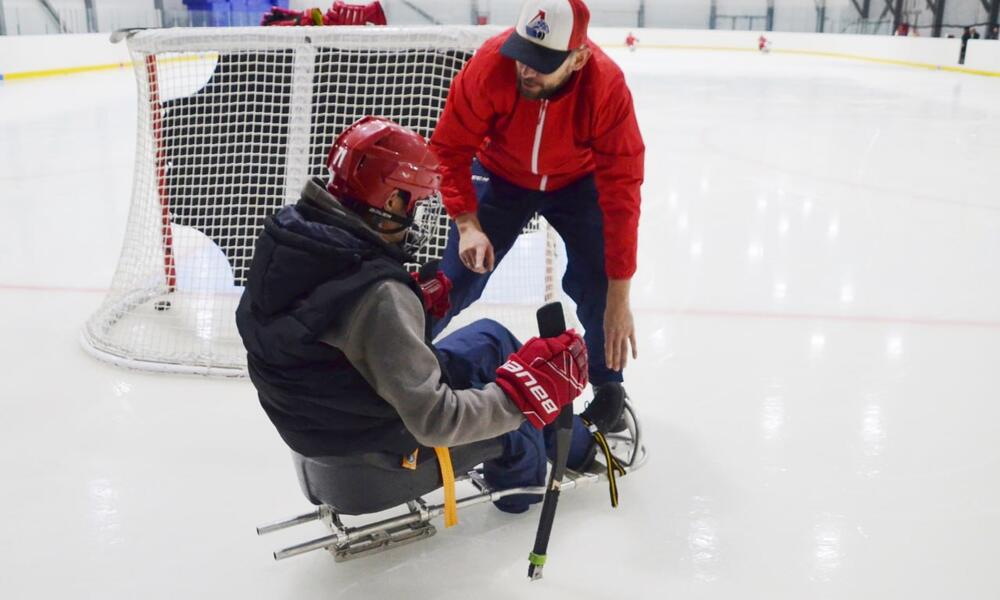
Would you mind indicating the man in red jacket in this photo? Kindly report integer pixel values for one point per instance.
(541, 120)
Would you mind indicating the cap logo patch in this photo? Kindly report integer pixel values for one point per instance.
(537, 27)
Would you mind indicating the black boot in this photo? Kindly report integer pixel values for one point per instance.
(607, 410)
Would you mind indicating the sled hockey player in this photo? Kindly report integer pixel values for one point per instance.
(763, 44)
(541, 120)
(631, 41)
(337, 338)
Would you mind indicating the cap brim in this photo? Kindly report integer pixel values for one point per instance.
(542, 59)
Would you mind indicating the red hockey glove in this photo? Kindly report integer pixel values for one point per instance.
(545, 375)
(342, 13)
(435, 292)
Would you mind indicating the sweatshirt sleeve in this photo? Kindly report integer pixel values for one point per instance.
(383, 340)
(460, 132)
(619, 156)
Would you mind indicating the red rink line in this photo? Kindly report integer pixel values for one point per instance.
(874, 319)
(681, 312)
(4, 287)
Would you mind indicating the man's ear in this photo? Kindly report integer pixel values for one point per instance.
(580, 58)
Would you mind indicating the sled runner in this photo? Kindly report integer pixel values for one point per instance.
(347, 543)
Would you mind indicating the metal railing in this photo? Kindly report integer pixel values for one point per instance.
(24, 17)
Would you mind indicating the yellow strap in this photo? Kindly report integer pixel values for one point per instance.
(448, 479)
(614, 467)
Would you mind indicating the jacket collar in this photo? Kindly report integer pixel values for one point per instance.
(318, 204)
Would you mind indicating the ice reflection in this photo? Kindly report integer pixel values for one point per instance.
(827, 533)
(104, 511)
(659, 340)
(872, 439)
(703, 542)
(816, 343)
(696, 249)
(772, 417)
(873, 430)
(894, 346)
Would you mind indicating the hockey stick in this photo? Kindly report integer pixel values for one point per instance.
(551, 323)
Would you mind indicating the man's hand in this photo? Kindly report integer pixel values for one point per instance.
(474, 248)
(545, 375)
(619, 328)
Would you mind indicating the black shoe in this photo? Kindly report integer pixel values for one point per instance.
(607, 410)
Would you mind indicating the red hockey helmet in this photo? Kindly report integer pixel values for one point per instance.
(374, 157)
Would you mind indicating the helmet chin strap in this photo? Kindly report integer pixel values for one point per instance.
(384, 215)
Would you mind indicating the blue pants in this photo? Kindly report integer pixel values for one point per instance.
(471, 356)
(504, 210)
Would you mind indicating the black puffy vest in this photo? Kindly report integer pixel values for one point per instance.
(311, 263)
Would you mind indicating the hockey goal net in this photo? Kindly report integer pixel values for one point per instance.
(231, 124)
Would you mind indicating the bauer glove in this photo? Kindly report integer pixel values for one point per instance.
(342, 13)
(435, 293)
(545, 375)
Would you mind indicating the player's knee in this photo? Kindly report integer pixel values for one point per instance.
(504, 339)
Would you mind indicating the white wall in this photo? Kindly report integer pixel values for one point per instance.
(21, 53)
(983, 55)
(931, 51)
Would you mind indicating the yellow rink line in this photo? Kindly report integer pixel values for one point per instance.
(841, 55)
(22, 75)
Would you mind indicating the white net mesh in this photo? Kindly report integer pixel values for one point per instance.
(232, 122)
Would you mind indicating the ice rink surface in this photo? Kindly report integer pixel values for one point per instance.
(818, 309)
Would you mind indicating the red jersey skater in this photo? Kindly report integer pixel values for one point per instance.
(541, 120)
(630, 41)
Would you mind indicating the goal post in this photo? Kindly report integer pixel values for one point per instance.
(232, 122)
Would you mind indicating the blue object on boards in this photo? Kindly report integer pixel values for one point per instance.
(231, 13)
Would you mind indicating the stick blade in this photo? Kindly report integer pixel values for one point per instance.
(551, 321)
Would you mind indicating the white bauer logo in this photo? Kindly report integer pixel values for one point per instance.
(534, 387)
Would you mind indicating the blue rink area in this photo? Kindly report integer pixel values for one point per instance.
(818, 311)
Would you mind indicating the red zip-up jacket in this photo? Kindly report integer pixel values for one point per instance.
(589, 126)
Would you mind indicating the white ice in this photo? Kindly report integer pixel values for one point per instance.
(818, 309)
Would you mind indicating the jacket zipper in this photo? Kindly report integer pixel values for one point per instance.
(538, 144)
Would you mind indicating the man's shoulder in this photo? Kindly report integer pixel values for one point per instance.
(605, 70)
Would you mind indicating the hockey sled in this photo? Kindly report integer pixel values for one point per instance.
(346, 543)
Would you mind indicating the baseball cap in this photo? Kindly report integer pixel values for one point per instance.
(546, 32)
